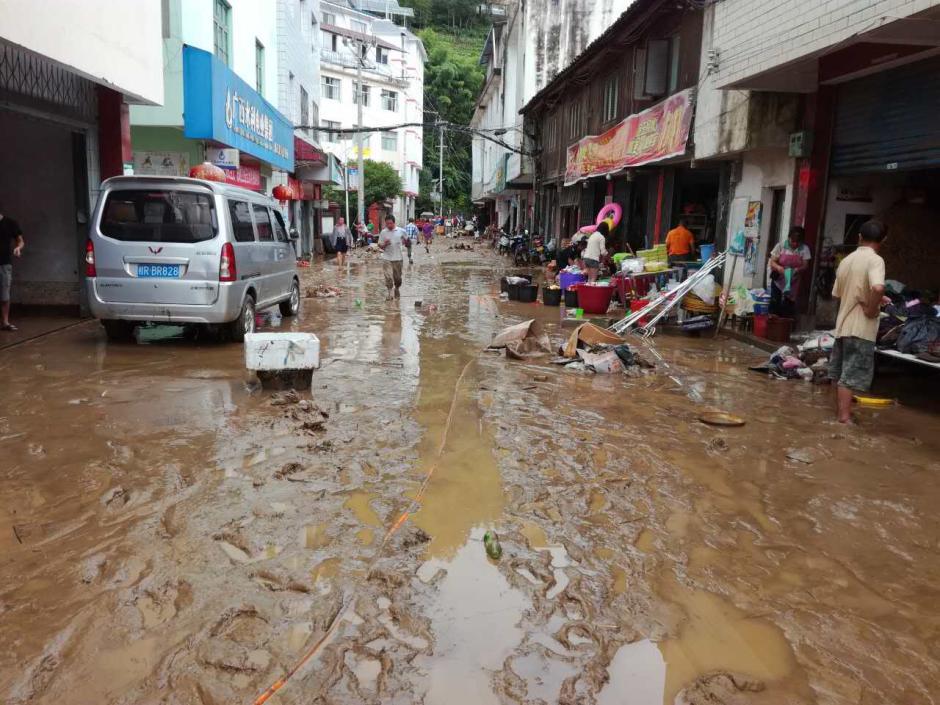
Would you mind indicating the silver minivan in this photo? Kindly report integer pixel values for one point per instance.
(170, 249)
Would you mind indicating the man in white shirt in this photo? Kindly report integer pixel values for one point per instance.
(860, 288)
(390, 242)
(596, 248)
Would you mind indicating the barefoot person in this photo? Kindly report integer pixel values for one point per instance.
(390, 241)
(860, 288)
(11, 245)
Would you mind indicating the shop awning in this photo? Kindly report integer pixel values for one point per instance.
(220, 106)
(306, 153)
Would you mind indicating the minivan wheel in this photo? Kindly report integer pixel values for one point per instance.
(119, 331)
(291, 306)
(245, 323)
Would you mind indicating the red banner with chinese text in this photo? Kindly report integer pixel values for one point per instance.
(656, 133)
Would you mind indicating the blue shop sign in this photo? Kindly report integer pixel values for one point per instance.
(219, 106)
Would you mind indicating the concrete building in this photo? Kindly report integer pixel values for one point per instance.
(66, 80)
(221, 86)
(829, 112)
(298, 90)
(392, 65)
(528, 45)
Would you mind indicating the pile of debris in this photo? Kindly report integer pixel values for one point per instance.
(594, 349)
(589, 349)
(461, 246)
(322, 291)
(809, 361)
(309, 416)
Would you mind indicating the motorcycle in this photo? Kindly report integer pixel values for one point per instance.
(503, 243)
(520, 250)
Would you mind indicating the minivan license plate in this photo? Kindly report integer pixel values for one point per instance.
(158, 271)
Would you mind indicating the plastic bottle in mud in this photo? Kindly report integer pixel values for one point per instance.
(491, 543)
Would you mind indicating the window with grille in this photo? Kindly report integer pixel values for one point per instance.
(389, 100)
(390, 141)
(328, 135)
(259, 67)
(611, 98)
(362, 95)
(304, 107)
(381, 55)
(358, 26)
(329, 18)
(222, 21)
(574, 120)
(331, 88)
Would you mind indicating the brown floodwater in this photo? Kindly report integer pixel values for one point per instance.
(168, 535)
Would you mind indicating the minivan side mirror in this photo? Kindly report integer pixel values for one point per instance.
(292, 234)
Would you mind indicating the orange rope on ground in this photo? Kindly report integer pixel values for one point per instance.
(413, 507)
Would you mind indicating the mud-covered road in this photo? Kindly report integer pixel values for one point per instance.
(168, 535)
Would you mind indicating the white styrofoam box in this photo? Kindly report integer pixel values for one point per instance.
(282, 351)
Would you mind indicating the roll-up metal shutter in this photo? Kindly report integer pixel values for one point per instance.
(889, 121)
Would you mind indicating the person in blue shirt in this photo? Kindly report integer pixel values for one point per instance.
(411, 232)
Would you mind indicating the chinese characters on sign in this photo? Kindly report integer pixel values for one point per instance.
(247, 120)
(657, 133)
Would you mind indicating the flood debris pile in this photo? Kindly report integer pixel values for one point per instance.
(809, 361)
(308, 417)
(322, 291)
(589, 349)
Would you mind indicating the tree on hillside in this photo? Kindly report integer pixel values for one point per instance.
(452, 81)
(444, 14)
(382, 183)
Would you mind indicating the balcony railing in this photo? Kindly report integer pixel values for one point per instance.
(348, 60)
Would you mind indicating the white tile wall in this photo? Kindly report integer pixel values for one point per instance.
(754, 36)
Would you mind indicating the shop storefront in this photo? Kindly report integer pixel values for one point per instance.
(641, 165)
(885, 164)
(224, 121)
(59, 135)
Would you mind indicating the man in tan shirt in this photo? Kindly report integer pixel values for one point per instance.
(860, 288)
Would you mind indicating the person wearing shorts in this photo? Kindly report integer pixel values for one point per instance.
(11, 245)
(860, 287)
(596, 248)
(390, 242)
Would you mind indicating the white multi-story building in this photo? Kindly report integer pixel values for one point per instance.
(298, 89)
(392, 93)
(234, 43)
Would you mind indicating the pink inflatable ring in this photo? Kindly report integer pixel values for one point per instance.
(612, 210)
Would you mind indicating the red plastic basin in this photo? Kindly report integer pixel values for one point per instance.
(594, 298)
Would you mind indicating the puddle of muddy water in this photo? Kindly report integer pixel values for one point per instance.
(637, 676)
(474, 618)
(716, 636)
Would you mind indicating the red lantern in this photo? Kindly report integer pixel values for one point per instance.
(283, 193)
(207, 171)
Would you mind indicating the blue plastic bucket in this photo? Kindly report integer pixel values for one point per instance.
(707, 252)
(761, 309)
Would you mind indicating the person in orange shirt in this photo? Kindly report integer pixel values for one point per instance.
(680, 243)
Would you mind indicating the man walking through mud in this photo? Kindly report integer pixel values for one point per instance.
(390, 241)
(11, 246)
(860, 288)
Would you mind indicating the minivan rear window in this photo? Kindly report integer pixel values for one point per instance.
(159, 215)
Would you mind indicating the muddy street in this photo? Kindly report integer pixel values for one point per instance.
(170, 534)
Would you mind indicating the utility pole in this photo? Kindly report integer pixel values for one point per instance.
(440, 172)
(362, 176)
(346, 191)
